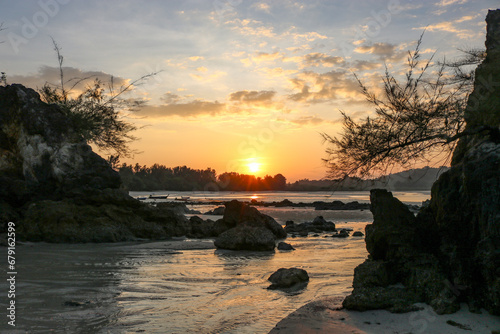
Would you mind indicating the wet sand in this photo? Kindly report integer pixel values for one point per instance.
(326, 316)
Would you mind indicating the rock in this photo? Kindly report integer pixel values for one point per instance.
(339, 205)
(341, 234)
(286, 278)
(240, 218)
(216, 212)
(284, 246)
(244, 237)
(180, 208)
(358, 234)
(394, 299)
(201, 228)
(393, 226)
(238, 213)
(449, 252)
(57, 189)
(318, 225)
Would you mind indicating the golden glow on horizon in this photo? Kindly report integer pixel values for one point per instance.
(253, 167)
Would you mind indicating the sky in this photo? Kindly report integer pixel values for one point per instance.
(243, 86)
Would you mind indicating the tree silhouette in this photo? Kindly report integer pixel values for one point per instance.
(416, 119)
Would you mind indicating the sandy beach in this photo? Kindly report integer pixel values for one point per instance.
(326, 316)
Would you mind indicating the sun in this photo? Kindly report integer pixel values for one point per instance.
(253, 167)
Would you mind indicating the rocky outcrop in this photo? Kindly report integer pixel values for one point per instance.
(288, 278)
(245, 228)
(57, 189)
(450, 252)
(400, 270)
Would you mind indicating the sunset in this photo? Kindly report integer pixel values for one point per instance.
(235, 79)
(250, 166)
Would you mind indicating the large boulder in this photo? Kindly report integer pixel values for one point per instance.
(244, 228)
(57, 189)
(246, 237)
(450, 252)
(239, 213)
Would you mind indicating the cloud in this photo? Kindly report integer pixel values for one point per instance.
(444, 3)
(196, 58)
(169, 97)
(308, 120)
(189, 109)
(262, 6)
(262, 57)
(308, 36)
(249, 102)
(383, 50)
(206, 76)
(264, 97)
(322, 87)
(321, 59)
(251, 28)
(239, 102)
(364, 65)
(74, 78)
(449, 26)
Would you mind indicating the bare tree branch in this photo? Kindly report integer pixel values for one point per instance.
(416, 117)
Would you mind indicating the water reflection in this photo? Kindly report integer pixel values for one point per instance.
(173, 287)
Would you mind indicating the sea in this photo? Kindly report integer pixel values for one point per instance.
(186, 285)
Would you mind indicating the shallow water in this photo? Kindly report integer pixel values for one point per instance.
(157, 288)
(182, 286)
(410, 197)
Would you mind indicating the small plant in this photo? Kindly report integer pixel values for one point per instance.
(97, 112)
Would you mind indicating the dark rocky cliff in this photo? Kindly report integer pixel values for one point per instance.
(450, 252)
(56, 189)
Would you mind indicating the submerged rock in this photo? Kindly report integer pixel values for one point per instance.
(284, 246)
(287, 278)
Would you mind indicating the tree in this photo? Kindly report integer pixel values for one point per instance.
(415, 120)
(96, 113)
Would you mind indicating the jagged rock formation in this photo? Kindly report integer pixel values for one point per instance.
(450, 252)
(56, 189)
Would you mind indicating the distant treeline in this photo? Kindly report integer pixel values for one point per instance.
(159, 177)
